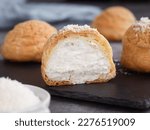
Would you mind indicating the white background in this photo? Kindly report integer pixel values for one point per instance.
(7, 121)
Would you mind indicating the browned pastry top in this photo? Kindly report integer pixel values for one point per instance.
(26, 41)
(113, 22)
(139, 33)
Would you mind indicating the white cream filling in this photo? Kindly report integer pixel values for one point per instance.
(77, 59)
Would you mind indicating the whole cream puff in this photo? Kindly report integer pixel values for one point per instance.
(136, 46)
(77, 55)
(113, 22)
(26, 40)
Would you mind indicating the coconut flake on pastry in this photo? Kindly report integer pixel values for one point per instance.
(77, 55)
(136, 46)
(25, 42)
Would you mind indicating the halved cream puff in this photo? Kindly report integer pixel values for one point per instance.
(77, 55)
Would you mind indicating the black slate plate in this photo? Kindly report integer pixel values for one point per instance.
(128, 89)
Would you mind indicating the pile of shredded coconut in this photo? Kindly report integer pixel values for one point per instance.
(15, 97)
(142, 25)
(77, 28)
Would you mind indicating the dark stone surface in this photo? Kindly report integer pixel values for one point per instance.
(129, 89)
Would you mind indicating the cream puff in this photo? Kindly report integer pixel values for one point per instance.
(136, 46)
(77, 55)
(113, 22)
(26, 40)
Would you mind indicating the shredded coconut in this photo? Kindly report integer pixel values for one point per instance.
(14, 96)
(142, 25)
(77, 28)
(145, 20)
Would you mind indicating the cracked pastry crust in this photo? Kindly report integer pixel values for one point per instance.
(113, 22)
(136, 46)
(26, 41)
(69, 32)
